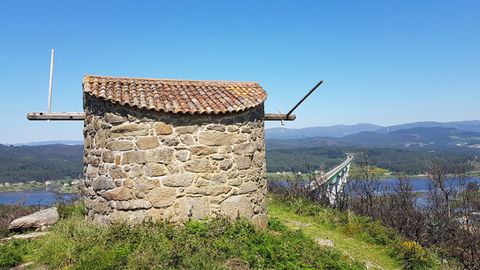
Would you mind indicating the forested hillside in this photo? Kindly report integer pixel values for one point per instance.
(401, 151)
(40, 163)
(432, 137)
(412, 161)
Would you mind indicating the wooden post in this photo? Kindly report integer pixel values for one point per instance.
(56, 116)
(279, 117)
(80, 116)
(50, 82)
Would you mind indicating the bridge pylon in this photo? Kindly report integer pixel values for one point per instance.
(334, 180)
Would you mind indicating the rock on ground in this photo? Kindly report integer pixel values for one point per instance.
(24, 236)
(30, 266)
(236, 264)
(324, 242)
(36, 220)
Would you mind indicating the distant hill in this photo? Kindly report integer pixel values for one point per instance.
(433, 137)
(346, 130)
(49, 143)
(40, 163)
(302, 143)
(461, 125)
(422, 137)
(329, 131)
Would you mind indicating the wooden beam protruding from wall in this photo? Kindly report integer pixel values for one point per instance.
(56, 116)
(278, 117)
(77, 116)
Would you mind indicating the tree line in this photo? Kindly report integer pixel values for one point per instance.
(40, 163)
(406, 161)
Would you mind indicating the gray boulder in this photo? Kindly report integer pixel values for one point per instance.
(36, 220)
(324, 242)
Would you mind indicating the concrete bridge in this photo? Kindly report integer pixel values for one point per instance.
(334, 180)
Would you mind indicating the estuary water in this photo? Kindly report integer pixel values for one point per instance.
(422, 184)
(34, 197)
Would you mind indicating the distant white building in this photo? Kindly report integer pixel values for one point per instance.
(76, 182)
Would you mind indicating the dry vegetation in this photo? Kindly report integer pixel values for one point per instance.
(445, 219)
(10, 212)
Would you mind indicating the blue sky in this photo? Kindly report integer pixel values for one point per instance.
(383, 62)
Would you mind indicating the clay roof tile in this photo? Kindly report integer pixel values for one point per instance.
(177, 96)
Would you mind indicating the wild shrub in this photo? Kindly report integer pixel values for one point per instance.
(70, 209)
(275, 224)
(414, 256)
(13, 252)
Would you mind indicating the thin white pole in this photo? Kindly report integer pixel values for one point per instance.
(50, 83)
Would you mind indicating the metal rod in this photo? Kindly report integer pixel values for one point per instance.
(71, 116)
(50, 82)
(305, 97)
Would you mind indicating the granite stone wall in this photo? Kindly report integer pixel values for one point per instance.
(142, 164)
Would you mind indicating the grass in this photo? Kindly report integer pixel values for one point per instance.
(219, 243)
(360, 238)
(357, 249)
(287, 243)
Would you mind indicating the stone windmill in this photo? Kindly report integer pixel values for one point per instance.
(172, 150)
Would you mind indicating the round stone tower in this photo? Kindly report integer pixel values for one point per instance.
(173, 150)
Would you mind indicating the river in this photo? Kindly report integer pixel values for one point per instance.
(34, 197)
(422, 184)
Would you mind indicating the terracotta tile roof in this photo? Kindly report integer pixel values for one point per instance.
(176, 96)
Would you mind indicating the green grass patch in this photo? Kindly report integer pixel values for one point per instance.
(289, 242)
(73, 243)
(363, 239)
(14, 252)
